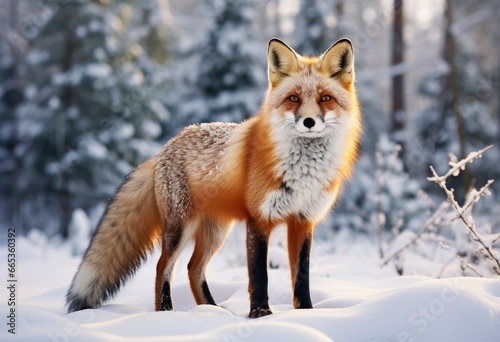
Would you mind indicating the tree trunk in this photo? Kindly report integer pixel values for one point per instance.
(451, 90)
(17, 167)
(497, 84)
(339, 8)
(340, 12)
(67, 100)
(398, 94)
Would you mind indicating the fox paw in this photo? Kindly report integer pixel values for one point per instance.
(259, 312)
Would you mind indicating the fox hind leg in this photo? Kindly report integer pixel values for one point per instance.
(173, 241)
(163, 300)
(209, 237)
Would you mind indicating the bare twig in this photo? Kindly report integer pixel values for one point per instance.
(445, 266)
(466, 265)
(495, 240)
(476, 196)
(429, 223)
(469, 223)
(459, 165)
(378, 202)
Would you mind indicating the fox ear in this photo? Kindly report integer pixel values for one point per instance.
(282, 61)
(338, 62)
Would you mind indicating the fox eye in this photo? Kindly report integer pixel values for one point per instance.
(293, 98)
(325, 98)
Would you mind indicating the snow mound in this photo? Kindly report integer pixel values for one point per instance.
(354, 300)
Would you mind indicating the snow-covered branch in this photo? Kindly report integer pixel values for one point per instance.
(457, 166)
(426, 227)
(468, 220)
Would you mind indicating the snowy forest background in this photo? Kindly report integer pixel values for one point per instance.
(91, 88)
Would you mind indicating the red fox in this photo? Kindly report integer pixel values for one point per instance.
(285, 165)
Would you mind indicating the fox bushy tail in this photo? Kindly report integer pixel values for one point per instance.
(126, 233)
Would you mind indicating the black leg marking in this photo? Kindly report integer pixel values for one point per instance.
(207, 294)
(166, 298)
(301, 292)
(257, 273)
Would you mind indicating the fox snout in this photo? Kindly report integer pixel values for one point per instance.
(310, 124)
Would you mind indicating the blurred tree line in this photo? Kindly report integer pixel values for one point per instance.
(91, 88)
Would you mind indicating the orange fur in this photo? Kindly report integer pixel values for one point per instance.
(275, 168)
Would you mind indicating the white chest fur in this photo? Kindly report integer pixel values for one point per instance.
(307, 166)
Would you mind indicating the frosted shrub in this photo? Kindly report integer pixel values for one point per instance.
(451, 235)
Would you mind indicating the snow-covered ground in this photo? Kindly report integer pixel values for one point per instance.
(354, 299)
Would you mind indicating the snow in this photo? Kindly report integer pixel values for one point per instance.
(354, 299)
(93, 148)
(79, 231)
(123, 131)
(98, 70)
(151, 128)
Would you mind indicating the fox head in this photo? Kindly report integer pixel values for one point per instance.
(312, 95)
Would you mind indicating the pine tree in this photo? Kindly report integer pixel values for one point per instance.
(227, 78)
(11, 98)
(94, 92)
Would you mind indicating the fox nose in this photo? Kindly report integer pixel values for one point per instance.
(309, 122)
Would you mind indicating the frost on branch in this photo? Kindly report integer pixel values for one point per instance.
(466, 245)
(484, 240)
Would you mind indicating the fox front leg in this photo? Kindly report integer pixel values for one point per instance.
(257, 243)
(299, 248)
